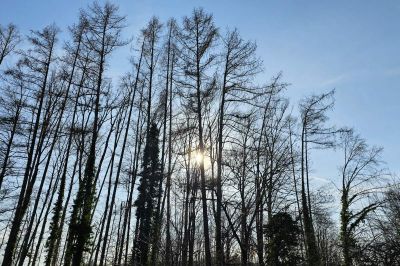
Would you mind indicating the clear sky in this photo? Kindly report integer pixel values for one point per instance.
(353, 46)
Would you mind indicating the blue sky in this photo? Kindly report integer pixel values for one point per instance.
(353, 46)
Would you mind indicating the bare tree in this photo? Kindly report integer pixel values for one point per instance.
(197, 38)
(361, 172)
(240, 66)
(313, 131)
(103, 36)
(9, 39)
(189, 141)
(38, 61)
(13, 100)
(56, 225)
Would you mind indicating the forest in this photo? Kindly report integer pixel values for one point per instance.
(189, 158)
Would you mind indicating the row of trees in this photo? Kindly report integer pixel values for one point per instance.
(186, 159)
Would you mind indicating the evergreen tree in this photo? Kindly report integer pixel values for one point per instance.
(148, 195)
(282, 232)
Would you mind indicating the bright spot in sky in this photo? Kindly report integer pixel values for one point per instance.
(197, 156)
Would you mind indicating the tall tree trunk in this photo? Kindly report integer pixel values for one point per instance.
(138, 145)
(108, 213)
(168, 241)
(131, 102)
(206, 230)
(48, 209)
(312, 253)
(25, 193)
(218, 225)
(132, 182)
(57, 222)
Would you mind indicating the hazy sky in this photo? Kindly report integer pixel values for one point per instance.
(353, 46)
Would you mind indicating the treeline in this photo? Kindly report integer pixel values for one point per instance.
(187, 159)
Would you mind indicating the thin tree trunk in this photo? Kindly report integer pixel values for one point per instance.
(118, 171)
(312, 253)
(10, 140)
(206, 232)
(108, 213)
(169, 172)
(25, 193)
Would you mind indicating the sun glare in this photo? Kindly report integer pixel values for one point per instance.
(198, 156)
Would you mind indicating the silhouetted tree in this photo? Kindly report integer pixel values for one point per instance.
(283, 234)
(12, 102)
(9, 39)
(197, 38)
(37, 67)
(313, 131)
(147, 197)
(240, 66)
(385, 248)
(55, 225)
(361, 168)
(103, 36)
(213, 163)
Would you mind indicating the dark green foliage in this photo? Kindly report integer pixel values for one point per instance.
(80, 221)
(282, 233)
(148, 195)
(55, 231)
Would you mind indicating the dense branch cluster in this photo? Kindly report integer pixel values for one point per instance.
(187, 159)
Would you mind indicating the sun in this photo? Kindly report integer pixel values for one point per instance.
(197, 156)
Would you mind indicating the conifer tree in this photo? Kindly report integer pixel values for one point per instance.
(148, 195)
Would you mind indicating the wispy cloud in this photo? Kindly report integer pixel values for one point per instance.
(395, 71)
(333, 81)
(319, 181)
